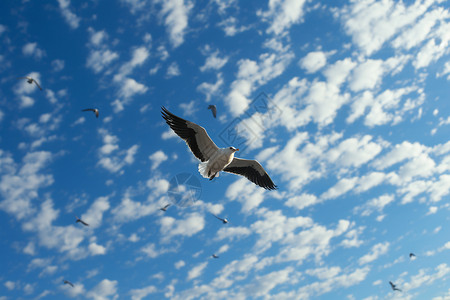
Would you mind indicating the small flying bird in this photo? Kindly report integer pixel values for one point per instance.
(68, 282)
(31, 80)
(215, 256)
(411, 255)
(224, 221)
(214, 159)
(165, 207)
(81, 221)
(394, 287)
(95, 110)
(213, 109)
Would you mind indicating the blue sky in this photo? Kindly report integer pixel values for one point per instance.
(344, 103)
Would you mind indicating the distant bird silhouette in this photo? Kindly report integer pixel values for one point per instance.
(81, 221)
(165, 207)
(394, 287)
(68, 282)
(213, 109)
(411, 255)
(95, 110)
(224, 221)
(215, 256)
(31, 80)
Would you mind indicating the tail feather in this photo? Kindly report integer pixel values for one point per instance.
(203, 169)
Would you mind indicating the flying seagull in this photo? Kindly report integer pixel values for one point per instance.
(224, 221)
(394, 287)
(213, 109)
(68, 282)
(411, 255)
(81, 221)
(31, 80)
(95, 110)
(214, 159)
(165, 207)
(215, 256)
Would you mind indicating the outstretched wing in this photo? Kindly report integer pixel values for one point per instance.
(213, 109)
(37, 84)
(252, 170)
(194, 135)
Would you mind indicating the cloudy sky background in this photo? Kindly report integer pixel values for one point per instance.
(345, 104)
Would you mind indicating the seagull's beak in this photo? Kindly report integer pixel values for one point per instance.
(236, 150)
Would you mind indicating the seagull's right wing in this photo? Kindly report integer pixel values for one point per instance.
(88, 109)
(252, 170)
(213, 109)
(194, 135)
(37, 84)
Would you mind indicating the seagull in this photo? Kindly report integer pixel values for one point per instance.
(213, 109)
(165, 207)
(214, 159)
(31, 80)
(215, 256)
(394, 287)
(68, 282)
(81, 221)
(411, 255)
(224, 221)
(95, 110)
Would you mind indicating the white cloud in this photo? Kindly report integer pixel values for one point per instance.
(282, 14)
(58, 65)
(191, 224)
(372, 23)
(110, 156)
(96, 249)
(214, 62)
(197, 271)
(104, 290)
(10, 285)
(138, 294)
(252, 74)
(19, 184)
(157, 158)
(176, 14)
(71, 19)
(376, 251)
(211, 89)
(31, 49)
(366, 75)
(313, 61)
(179, 264)
(94, 215)
(173, 70)
(100, 59)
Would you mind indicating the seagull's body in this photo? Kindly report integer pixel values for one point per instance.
(213, 109)
(394, 287)
(31, 80)
(224, 221)
(81, 221)
(165, 207)
(214, 159)
(68, 282)
(95, 110)
(215, 256)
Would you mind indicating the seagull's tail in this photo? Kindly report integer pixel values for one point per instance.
(203, 169)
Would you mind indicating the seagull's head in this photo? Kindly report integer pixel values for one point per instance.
(233, 149)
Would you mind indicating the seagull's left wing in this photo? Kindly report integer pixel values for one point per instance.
(252, 170)
(194, 135)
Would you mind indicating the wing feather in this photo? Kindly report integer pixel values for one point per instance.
(194, 135)
(252, 170)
